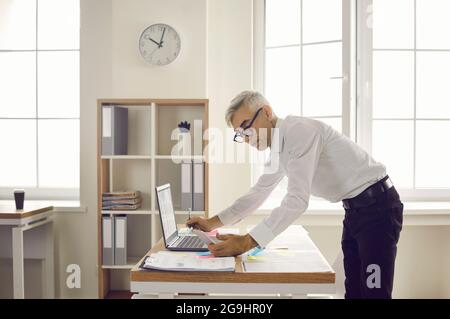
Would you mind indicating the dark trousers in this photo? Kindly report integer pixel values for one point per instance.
(369, 243)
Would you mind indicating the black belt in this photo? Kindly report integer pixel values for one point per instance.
(368, 196)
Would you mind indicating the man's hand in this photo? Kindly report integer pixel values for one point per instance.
(204, 224)
(232, 245)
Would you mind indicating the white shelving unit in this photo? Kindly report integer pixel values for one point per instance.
(149, 163)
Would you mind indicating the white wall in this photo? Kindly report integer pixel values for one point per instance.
(216, 63)
(76, 234)
(131, 76)
(446, 263)
(112, 68)
(230, 56)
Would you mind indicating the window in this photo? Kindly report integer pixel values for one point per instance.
(302, 62)
(376, 70)
(406, 74)
(39, 98)
(303, 47)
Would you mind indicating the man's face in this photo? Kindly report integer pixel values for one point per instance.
(261, 127)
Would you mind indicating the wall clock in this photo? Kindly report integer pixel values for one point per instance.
(159, 44)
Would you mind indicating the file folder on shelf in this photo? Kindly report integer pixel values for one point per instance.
(108, 240)
(198, 192)
(186, 185)
(114, 130)
(120, 247)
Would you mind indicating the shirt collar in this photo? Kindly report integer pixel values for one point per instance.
(277, 137)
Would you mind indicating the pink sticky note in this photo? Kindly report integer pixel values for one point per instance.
(213, 233)
(205, 257)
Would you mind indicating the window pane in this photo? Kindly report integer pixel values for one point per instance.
(59, 153)
(393, 145)
(322, 20)
(393, 84)
(17, 25)
(433, 24)
(393, 24)
(282, 22)
(433, 84)
(322, 95)
(18, 153)
(334, 122)
(283, 80)
(59, 24)
(18, 84)
(58, 84)
(433, 159)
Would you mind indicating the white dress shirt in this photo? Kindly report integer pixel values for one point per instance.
(317, 160)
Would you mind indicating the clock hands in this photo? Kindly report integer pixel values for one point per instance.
(148, 37)
(160, 44)
(161, 41)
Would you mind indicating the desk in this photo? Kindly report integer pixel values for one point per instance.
(38, 225)
(161, 284)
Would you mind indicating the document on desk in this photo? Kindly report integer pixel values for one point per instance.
(292, 261)
(187, 261)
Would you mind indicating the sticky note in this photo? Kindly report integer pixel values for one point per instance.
(213, 233)
(205, 257)
(204, 253)
(256, 251)
(256, 258)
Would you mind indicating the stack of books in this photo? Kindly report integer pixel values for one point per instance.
(128, 200)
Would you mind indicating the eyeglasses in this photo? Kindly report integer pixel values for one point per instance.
(247, 131)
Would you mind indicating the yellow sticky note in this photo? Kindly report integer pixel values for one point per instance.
(256, 258)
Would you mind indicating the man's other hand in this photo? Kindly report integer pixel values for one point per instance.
(232, 245)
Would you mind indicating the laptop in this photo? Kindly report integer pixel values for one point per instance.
(172, 239)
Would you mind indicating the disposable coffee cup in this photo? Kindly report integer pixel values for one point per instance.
(19, 197)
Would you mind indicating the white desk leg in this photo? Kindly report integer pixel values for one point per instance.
(48, 271)
(18, 272)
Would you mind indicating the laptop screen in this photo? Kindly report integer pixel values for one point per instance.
(166, 212)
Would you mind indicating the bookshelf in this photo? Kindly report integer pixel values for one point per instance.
(147, 164)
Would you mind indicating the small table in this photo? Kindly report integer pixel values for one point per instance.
(171, 284)
(38, 225)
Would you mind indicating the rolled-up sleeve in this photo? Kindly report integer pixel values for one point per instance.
(254, 198)
(304, 146)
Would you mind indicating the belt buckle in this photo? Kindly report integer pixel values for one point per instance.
(388, 183)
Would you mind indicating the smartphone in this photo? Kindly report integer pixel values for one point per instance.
(205, 237)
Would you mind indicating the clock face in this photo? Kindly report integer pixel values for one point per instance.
(159, 44)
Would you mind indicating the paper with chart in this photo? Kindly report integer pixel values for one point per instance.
(292, 251)
(187, 261)
(293, 261)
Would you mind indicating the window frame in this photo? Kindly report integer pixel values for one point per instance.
(365, 119)
(357, 84)
(43, 193)
(348, 76)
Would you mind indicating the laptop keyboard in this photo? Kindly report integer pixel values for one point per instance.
(190, 242)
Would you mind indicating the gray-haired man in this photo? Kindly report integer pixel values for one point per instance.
(320, 161)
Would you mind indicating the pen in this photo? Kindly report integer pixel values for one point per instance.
(189, 217)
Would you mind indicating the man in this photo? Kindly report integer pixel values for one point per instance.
(320, 161)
